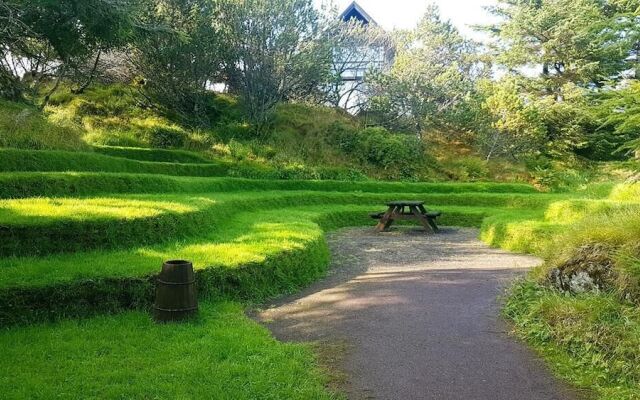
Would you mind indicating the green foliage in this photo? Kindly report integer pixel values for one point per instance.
(558, 175)
(181, 48)
(590, 340)
(466, 168)
(434, 71)
(280, 54)
(584, 49)
(619, 133)
(578, 42)
(516, 127)
(402, 155)
(56, 39)
(111, 115)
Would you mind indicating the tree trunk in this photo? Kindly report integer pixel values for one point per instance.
(92, 74)
(45, 101)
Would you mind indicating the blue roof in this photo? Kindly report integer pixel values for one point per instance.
(354, 11)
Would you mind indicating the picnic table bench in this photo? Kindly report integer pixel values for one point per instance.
(407, 210)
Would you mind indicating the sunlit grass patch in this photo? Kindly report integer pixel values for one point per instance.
(629, 192)
(42, 210)
(221, 355)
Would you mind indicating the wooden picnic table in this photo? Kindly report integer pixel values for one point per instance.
(407, 210)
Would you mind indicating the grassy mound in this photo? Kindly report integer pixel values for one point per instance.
(303, 139)
(46, 161)
(36, 184)
(580, 307)
(25, 127)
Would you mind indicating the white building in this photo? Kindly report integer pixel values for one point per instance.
(367, 53)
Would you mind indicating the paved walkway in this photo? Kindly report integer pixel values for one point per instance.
(420, 318)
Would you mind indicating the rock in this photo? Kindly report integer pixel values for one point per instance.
(590, 269)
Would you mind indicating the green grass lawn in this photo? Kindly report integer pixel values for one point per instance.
(221, 355)
(80, 250)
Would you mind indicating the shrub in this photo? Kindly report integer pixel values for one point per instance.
(114, 137)
(164, 137)
(466, 168)
(401, 155)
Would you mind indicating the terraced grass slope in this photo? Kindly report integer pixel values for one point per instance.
(88, 242)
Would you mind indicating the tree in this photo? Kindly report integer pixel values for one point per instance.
(512, 124)
(581, 47)
(618, 131)
(434, 73)
(585, 42)
(179, 51)
(353, 46)
(13, 36)
(51, 40)
(280, 54)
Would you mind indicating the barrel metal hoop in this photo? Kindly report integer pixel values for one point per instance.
(175, 309)
(176, 283)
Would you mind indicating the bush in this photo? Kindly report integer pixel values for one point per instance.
(114, 137)
(164, 137)
(466, 168)
(401, 155)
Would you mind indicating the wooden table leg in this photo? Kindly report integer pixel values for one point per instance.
(430, 221)
(433, 224)
(421, 218)
(386, 220)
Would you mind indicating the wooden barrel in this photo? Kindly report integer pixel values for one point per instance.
(176, 297)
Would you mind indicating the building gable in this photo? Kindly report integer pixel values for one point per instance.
(354, 11)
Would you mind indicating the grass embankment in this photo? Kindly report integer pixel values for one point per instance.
(246, 244)
(58, 225)
(252, 239)
(226, 235)
(80, 161)
(24, 126)
(590, 334)
(302, 141)
(154, 155)
(31, 184)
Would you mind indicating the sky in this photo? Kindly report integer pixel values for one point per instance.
(404, 14)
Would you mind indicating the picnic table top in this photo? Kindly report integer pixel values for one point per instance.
(397, 203)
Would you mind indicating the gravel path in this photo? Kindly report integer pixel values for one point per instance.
(420, 318)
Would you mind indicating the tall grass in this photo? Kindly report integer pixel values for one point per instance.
(25, 127)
